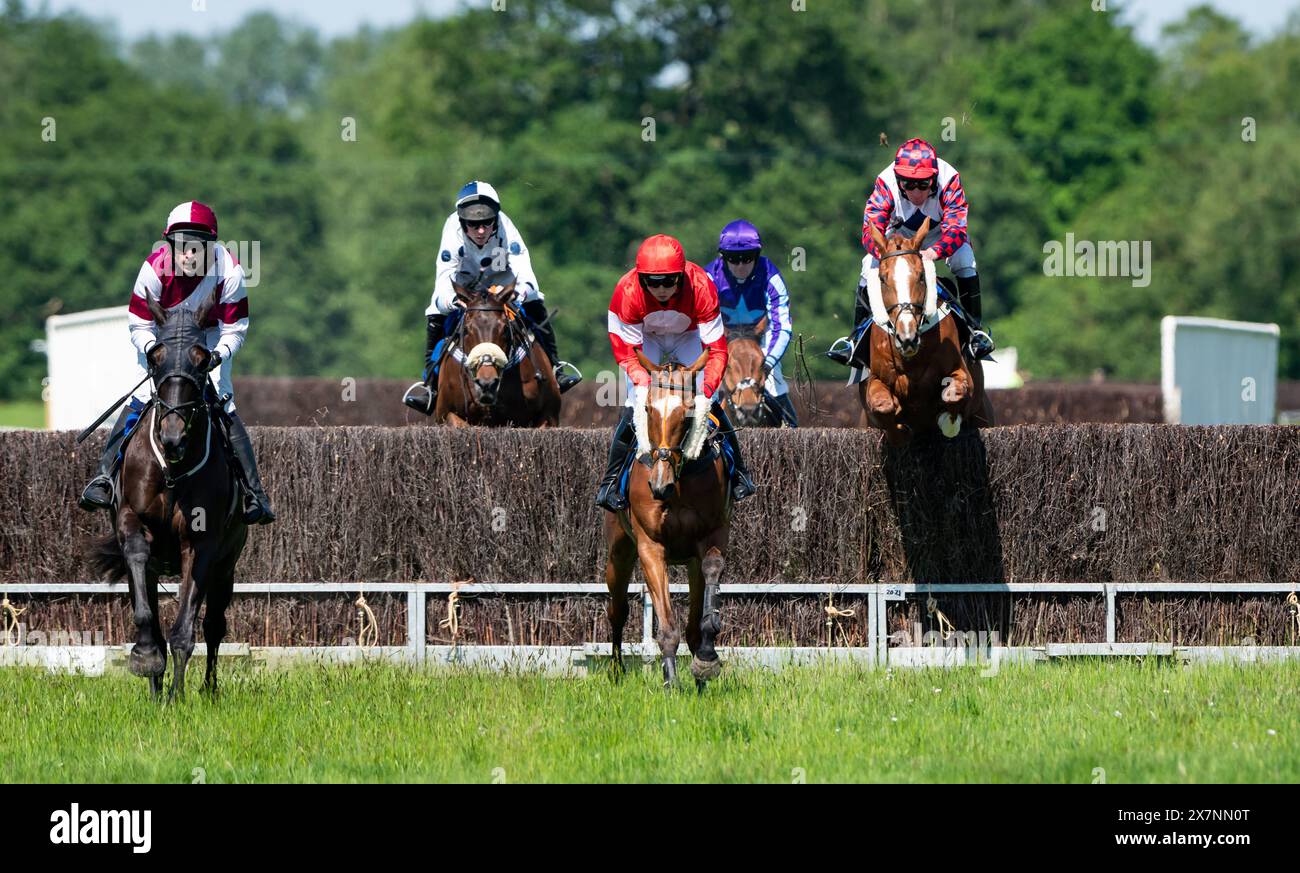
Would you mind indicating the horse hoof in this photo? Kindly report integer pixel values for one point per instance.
(705, 671)
(950, 424)
(146, 662)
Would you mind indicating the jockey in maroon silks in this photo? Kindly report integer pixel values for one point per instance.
(189, 269)
(916, 186)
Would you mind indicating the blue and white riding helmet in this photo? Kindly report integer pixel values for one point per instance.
(477, 201)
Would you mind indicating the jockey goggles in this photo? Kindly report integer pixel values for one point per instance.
(739, 257)
(477, 223)
(916, 184)
(665, 280)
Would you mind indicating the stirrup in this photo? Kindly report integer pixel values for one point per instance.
(841, 351)
(612, 499)
(413, 399)
(980, 344)
(87, 501)
(257, 511)
(566, 380)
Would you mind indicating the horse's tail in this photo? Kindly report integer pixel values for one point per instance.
(106, 558)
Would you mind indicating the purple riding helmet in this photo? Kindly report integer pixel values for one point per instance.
(740, 236)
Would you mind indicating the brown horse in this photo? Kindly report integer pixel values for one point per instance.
(920, 381)
(177, 509)
(742, 383)
(494, 371)
(679, 512)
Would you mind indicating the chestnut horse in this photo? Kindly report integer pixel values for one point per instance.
(679, 512)
(494, 372)
(919, 381)
(178, 506)
(742, 383)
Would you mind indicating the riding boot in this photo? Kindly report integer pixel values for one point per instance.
(980, 343)
(741, 485)
(545, 333)
(610, 495)
(257, 506)
(99, 493)
(783, 409)
(422, 395)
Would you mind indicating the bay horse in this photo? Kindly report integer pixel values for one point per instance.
(177, 506)
(919, 380)
(679, 512)
(743, 381)
(494, 372)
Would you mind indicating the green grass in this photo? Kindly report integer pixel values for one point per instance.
(1044, 723)
(22, 413)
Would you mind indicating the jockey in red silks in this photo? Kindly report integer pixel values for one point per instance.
(666, 306)
(916, 186)
(184, 273)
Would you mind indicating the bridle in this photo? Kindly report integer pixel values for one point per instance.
(674, 455)
(749, 382)
(917, 309)
(519, 341)
(186, 410)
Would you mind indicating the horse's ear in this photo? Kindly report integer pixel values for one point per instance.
(503, 293)
(205, 307)
(919, 239)
(699, 362)
(155, 308)
(647, 363)
(461, 292)
(877, 237)
(761, 327)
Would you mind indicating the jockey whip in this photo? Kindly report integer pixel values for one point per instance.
(107, 412)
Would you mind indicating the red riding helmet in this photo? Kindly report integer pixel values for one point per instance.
(659, 255)
(916, 159)
(192, 215)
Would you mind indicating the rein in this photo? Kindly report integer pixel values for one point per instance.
(520, 339)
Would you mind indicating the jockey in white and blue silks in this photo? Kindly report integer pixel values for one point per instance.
(750, 288)
(480, 237)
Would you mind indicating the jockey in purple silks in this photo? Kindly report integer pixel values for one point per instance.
(750, 287)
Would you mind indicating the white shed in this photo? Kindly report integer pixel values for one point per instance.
(1214, 371)
(91, 364)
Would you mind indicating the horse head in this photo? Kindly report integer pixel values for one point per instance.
(744, 379)
(486, 332)
(903, 291)
(667, 437)
(178, 366)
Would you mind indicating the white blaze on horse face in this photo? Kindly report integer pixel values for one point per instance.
(665, 406)
(906, 325)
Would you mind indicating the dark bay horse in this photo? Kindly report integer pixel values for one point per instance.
(679, 512)
(177, 508)
(920, 382)
(494, 371)
(743, 381)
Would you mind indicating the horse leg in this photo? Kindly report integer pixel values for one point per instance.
(655, 567)
(619, 562)
(955, 394)
(706, 616)
(181, 638)
(147, 657)
(882, 408)
(221, 588)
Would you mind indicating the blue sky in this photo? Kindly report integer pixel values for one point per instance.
(135, 18)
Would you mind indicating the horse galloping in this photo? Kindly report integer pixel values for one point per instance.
(679, 512)
(494, 371)
(176, 509)
(919, 380)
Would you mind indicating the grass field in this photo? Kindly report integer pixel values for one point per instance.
(22, 413)
(1045, 723)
